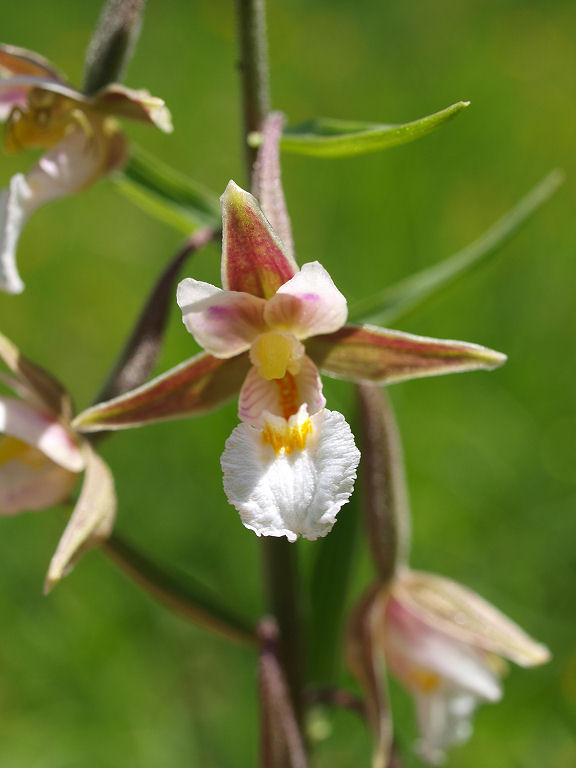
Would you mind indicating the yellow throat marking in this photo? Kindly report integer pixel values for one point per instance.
(274, 353)
(12, 449)
(286, 438)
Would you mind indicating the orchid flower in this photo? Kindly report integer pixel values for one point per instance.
(42, 458)
(446, 645)
(80, 132)
(291, 464)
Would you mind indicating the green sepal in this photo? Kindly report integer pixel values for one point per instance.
(328, 137)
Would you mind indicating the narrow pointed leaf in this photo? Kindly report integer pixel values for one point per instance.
(282, 745)
(399, 300)
(91, 521)
(194, 387)
(253, 258)
(377, 355)
(167, 194)
(39, 382)
(385, 491)
(461, 613)
(143, 346)
(267, 181)
(326, 137)
(113, 43)
(366, 661)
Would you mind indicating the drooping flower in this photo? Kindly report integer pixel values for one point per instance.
(290, 466)
(42, 458)
(447, 646)
(81, 133)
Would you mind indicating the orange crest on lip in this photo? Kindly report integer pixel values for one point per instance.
(286, 438)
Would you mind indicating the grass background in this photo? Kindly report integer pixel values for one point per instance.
(98, 676)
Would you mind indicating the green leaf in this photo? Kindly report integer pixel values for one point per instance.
(329, 589)
(409, 294)
(167, 194)
(327, 137)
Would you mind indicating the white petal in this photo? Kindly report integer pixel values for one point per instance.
(29, 480)
(12, 220)
(41, 431)
(69, 167)
(280, 396)
(419, 652)
(308, 304)
(291, 494)
(444, 719)
(224, 323)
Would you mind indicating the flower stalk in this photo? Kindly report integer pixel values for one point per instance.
(253, 66)
(279, 557)
(190, 601)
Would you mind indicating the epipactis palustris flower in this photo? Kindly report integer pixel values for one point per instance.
(448, 647)
(42, 458)
(81, 133)
(291, 464)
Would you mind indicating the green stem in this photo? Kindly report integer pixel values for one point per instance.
(282, 587)
(279, 556)
(253, 65)
(191, 601)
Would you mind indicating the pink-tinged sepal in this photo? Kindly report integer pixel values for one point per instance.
(307, 305)
(29, 480)
(91, 521)
(371, 354)
(281, 397)
(37, 385)
(196, 386)
(267, 182)
(459, 612)
(253, 258)
(20, 61)
(132, 104)
(223, 322)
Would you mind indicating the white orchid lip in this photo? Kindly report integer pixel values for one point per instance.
(290, 477)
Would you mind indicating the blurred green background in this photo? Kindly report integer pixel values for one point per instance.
(97, 675)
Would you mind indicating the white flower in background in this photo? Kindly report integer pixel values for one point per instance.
(447, 646)
(80, 132)
(42, 459)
